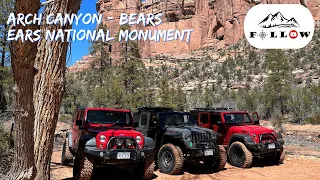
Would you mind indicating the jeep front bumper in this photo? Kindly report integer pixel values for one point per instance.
(262, 149)
(111, 156)
(201, 153)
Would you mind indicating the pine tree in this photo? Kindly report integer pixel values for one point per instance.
(6, 7)
(278, 87)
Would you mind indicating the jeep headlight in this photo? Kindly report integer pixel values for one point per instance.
(254, 135)
(138, 139)
(102, 138)
(186, 136)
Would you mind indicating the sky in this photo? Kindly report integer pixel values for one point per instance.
(81, 48)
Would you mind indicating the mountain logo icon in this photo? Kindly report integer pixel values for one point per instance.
(278, 20)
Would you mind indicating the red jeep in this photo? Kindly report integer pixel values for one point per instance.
(243, 137)
(102, 136)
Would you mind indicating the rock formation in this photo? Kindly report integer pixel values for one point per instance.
(216, 23)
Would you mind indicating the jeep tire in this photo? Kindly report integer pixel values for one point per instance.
(279, 157)
(170, 159)
(239, 155)
(219, 163)
(66, 156)
(82, 167)
(146, 169)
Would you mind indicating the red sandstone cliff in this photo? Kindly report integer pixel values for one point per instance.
(216, 23)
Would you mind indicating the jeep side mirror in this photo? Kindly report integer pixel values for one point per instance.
(79, 123)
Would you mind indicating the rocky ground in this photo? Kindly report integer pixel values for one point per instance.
(302, 162)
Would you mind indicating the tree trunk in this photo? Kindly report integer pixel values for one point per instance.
(22, 57)
(182, 7)
(49, 86)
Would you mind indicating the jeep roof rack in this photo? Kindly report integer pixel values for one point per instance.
(214, 109)
(155, 109)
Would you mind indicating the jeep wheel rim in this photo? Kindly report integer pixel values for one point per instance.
(167, 159)
(238, 156)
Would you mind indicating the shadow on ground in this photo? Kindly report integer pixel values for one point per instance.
(112, 173)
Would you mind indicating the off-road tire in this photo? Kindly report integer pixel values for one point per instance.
(219, 164)
(82, 168)
(66, 156)
(146, 169)
(245, 159)
(177, 159)
(279, 157)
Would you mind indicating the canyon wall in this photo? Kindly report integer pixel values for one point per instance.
(216, 23)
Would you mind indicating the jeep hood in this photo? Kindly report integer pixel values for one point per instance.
(121, 132)
(250, 129)
(113, 131)
(188, 129)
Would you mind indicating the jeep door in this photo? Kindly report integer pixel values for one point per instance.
(218, 126)
(77, 129)
(204, 119)
(143, 123)
(153, 129)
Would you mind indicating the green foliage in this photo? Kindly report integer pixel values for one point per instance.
(278, 87)
(274, 93)
(6, 152)
(6, 7)
(312, 120)
(66, 118)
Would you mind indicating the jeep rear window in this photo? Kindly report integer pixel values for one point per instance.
(237, 118)
(175, 119)
(109, 117)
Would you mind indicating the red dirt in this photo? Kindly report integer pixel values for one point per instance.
(294, 167)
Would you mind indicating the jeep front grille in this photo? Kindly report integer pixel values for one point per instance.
(197, 137)
(265, 138)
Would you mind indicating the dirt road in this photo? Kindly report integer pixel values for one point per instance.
(294, 167)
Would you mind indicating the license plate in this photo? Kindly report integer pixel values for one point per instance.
(208, 152)
(271, 146)
(123, 155)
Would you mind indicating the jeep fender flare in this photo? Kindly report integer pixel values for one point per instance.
(84, 139)
(148, 142)
(171, 137)
(244, 138)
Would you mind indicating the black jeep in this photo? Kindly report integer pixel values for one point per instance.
(177, 137)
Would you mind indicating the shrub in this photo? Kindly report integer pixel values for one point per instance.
(66, 118)
(6, 152)
(313, 120)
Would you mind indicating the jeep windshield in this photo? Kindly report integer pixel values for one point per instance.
(109, 117)
(237, 118)
(176, 119)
